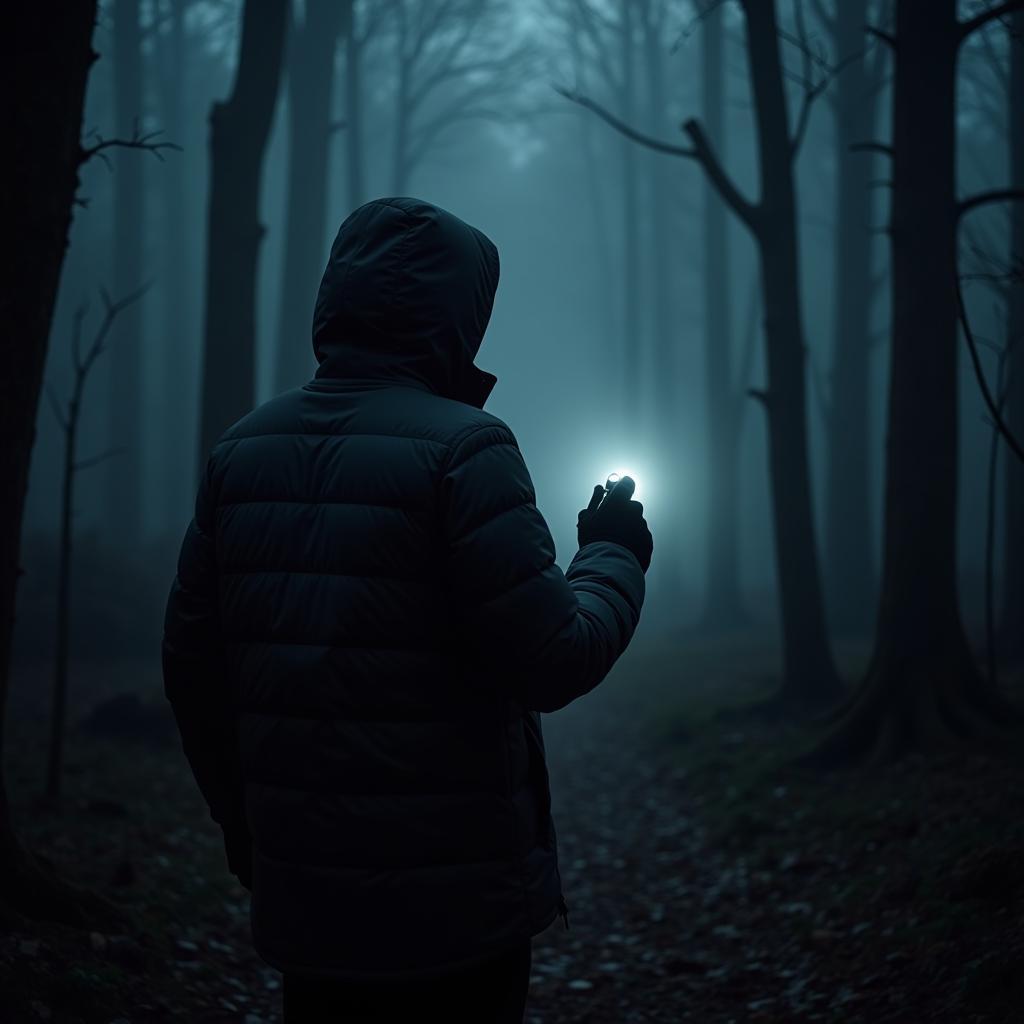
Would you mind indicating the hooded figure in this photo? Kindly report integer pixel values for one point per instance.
(367, 619)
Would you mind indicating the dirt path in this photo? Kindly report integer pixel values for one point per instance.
(701, 885)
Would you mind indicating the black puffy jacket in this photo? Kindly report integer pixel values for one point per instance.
(367, 619)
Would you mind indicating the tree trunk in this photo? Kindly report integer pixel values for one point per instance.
(850, 577)
(310, 81)
(630, 339)
(809, 674)
(45, 78)
(723, 604)
(63, 638)
(239, 129)
(400, 150)
(1011, 626)
(123, 479)
(175, 474)
(661, 365)
(353, 108)
(923, 690)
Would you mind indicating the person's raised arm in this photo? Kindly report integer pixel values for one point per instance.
(546, 637)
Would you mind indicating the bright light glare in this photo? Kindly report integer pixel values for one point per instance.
(618, 474)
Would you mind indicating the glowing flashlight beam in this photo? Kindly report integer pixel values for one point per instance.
(617, 475)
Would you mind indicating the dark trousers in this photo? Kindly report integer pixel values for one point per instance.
(490, 993)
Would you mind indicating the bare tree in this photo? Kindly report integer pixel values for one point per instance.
(123, 485)
(454, 61)
(172, 71)
(45, 77)
(1011, 631)
(239, 128)
(923, 689)
(809, 673)
(68, 416)
(723, 603)
(313, 42)
(851, 583)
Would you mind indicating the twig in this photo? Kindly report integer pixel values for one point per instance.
(880, 34)
(986, 394)
(998, 195)
(872, 147)
(982, 18)
(136, 141)
(620, 126)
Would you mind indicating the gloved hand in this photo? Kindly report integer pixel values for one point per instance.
(617, 519)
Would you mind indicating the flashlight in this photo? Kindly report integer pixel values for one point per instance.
(614, 478)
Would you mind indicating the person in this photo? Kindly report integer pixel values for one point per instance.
(366, 623)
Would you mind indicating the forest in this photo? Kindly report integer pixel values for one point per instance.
(764, 256)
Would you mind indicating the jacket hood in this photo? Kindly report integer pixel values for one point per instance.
(406, 296)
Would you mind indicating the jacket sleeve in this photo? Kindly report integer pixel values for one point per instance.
(196, 683)
(546, 637)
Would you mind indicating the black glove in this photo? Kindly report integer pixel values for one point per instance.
(617, 519)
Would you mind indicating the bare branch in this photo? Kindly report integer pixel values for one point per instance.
(979, 373)
(812, 92)
(761, 395)
(705, 8)
(58, 412)
(1000, 195)
(872, 147)
(747, 211)
(625, 129)
(136, 141)
(700, 151)
(826, 17)
(76, 335)
(882, 36)
(983, 17)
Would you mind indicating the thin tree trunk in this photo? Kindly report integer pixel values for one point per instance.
(310, 82)
(45, 78)
(400, 151)
(175, 461)
(809, 673)
(63, 639)
(1011, 623)
(630, 340)
(663, 348)
(598, 206)
(123, 483)
(239, 129)
(850, 576)
(353, 108)
(923, 689)
(723, 604)
(661, 365)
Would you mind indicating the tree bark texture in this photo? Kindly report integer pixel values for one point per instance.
(850, 572)
(175, 282)
(923, 690)
(809, 673)
(1011, 623)
(123, 477)
(310, 81)
(723, 607)
(239, 129)
(353, 108)
(45, 77)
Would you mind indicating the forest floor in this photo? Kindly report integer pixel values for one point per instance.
(707, 880)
